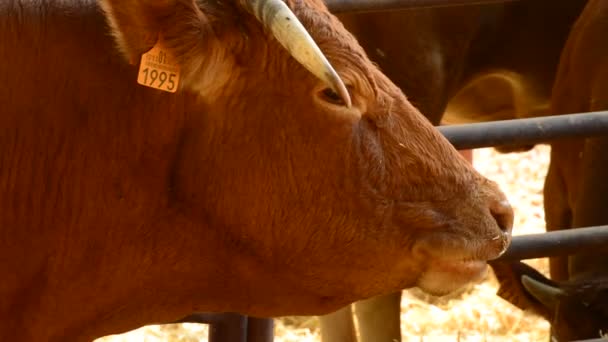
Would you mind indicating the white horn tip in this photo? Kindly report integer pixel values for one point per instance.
(338, 86)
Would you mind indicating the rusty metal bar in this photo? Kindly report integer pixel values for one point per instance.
(342, 6)
(233, 328)
(223, 327)
(555, 243)
(526, 131)
(260, 329)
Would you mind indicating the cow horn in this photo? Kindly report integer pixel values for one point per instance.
(546, 294)
(276, 16)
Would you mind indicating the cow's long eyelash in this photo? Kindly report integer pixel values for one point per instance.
(331, 96)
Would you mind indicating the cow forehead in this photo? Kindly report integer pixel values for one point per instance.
(339, 46)
(324, 27)
(336, 42)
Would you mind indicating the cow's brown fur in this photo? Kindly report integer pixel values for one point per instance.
(246, 191)
(507, 52)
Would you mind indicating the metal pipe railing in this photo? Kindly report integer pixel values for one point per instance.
(342, 6)
(526, 131)
(556, 243)
(223, 327)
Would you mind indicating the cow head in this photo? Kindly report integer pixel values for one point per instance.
(577, 309)
(326, 186)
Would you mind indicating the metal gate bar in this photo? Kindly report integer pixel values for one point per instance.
(357, 6)
(231, 327)
(526, 131)
(260, 329)
(555, 243)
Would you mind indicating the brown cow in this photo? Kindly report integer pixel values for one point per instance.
(261, 186)
(474, 63)
(576, 195)
(488, 62)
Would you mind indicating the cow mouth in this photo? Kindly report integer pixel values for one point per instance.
(463, 267)
(444, 276)
(454, 264)
(461, 249)
(471, 270)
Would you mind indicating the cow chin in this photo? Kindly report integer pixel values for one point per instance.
(454, 258)
(446, 276)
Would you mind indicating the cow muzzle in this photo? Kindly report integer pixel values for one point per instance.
(458, 254)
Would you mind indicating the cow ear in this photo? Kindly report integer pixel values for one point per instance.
(515, 279)
(188, 28)
(136, 25)
(184, 27)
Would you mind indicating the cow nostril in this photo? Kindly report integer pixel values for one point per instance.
(503, 214)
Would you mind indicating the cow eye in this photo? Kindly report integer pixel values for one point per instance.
(331, 96)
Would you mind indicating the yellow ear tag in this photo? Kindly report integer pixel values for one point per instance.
(159, 69)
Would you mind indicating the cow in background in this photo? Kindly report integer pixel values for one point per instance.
(575, 300)
(282, 177)
(471, 63)
(477, 63)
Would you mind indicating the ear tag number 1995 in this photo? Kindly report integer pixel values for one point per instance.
(159, 69)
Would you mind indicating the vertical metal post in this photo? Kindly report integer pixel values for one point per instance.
(260, 329)
(231, 328)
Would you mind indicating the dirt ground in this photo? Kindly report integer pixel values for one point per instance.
(475, 315)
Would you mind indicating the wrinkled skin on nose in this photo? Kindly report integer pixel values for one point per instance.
(458, 252)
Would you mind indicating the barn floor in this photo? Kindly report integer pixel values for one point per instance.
(474, 315)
